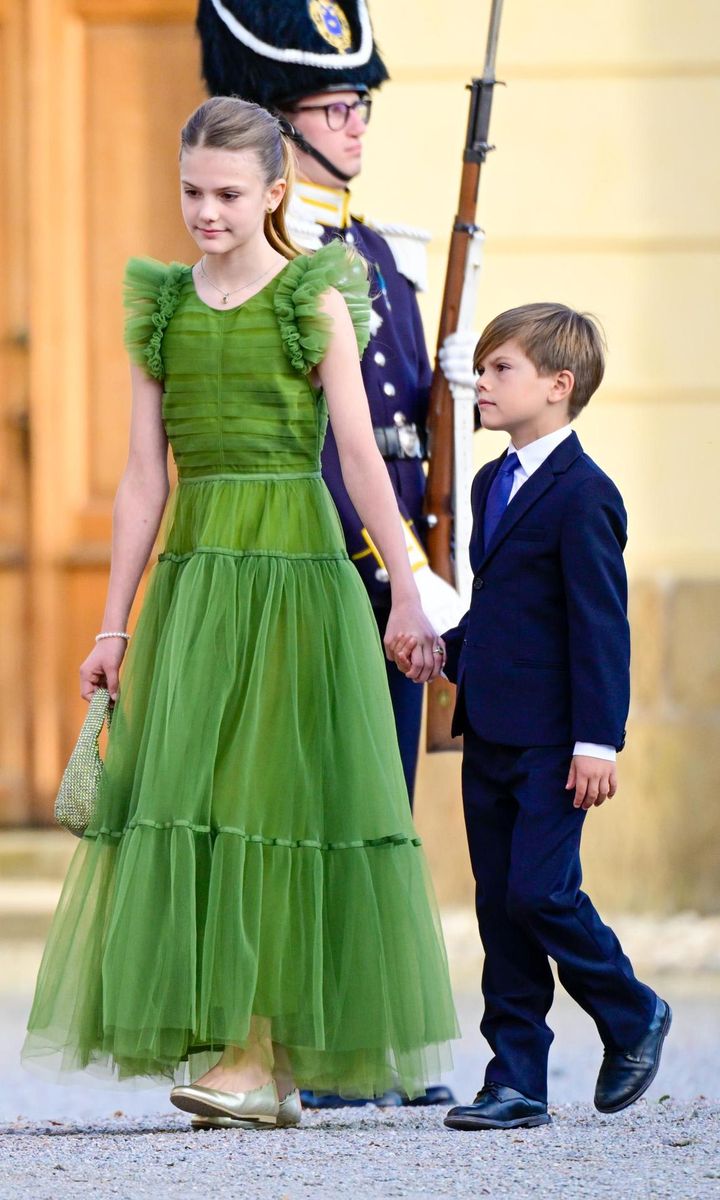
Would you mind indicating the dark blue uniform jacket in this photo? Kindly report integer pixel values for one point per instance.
(397, 376)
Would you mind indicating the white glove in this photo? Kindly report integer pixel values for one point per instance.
(456, 358)
(442, 604)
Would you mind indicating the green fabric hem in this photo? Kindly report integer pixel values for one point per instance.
(334, 556)
(392, 839)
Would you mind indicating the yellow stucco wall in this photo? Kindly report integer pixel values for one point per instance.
(603, 193)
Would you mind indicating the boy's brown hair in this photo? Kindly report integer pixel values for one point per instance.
(554, 338)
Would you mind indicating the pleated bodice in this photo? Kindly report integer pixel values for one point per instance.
(233, 403)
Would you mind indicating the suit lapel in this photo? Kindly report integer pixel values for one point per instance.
(531, 491)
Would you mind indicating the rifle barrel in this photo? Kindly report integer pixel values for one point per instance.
(439, 496)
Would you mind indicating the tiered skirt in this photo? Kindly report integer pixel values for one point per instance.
(252, 853)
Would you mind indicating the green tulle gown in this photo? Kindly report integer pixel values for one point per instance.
(253, 852)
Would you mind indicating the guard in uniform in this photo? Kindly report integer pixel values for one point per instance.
(316, 66)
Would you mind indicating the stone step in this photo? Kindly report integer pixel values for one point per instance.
(26, 907)
(35, 853)
(33, 864)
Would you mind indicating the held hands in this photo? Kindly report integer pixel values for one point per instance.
(409, 627)
(101, 667)
(406, 652)
(594, 780)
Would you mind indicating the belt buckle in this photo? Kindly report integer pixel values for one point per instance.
(408, 437)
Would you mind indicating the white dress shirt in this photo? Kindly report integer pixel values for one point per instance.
(530, 458)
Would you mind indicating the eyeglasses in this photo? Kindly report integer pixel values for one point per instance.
(337, 114)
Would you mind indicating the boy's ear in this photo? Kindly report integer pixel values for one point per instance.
(562, 387)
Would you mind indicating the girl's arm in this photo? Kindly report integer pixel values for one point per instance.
(368, 483)
(137, 512)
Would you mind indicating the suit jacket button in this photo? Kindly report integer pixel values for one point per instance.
(478, 583)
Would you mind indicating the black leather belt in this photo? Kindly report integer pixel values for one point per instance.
(404, 441)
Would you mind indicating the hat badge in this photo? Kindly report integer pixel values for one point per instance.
(331, 23)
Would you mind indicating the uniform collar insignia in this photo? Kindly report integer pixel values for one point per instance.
(326, 205)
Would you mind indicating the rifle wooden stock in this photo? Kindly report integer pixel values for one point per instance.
(439, 494)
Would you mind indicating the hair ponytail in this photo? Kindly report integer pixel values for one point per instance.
(276, 230)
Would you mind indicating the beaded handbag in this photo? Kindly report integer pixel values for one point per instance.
(76, 798)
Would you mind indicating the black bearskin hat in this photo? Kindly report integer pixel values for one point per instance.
(276, 51)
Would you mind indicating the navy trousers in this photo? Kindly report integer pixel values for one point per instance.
(524, 840)
(407, 702)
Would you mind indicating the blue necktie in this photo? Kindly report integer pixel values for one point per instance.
(498, 496)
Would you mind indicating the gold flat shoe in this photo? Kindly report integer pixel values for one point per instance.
(257, 1107)
(289, 1114)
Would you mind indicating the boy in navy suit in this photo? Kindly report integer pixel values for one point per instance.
(541, 662)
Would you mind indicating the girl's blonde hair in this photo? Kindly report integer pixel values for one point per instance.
(228, 123)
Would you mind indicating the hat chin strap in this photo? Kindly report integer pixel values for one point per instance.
(303, 144)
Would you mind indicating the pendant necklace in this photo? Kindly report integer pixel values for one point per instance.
(220, 291)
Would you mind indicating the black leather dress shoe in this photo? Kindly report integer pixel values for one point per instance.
(438, 1094)
(498, 1107)
(626, 1074)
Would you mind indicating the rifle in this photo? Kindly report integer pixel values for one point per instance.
(450, 419)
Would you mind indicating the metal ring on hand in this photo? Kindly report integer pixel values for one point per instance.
(438, 650)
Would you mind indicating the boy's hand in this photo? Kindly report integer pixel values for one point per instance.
(400, 651)
(594, 780)
(427, 651)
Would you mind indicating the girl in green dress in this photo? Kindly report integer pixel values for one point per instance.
(250, 907)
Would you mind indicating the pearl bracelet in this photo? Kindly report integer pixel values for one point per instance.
(118, 633)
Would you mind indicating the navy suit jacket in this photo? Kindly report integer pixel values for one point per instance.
(542, 657)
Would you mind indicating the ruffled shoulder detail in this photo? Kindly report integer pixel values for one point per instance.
(151, 292)
(304, 329)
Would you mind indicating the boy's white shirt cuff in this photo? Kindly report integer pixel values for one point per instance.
(592, 750)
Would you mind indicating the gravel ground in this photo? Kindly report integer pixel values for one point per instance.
(690, 1065)
(660, 1149)
(80, 1140)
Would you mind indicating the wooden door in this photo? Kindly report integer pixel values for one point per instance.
(94, 94)
(14, 420)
